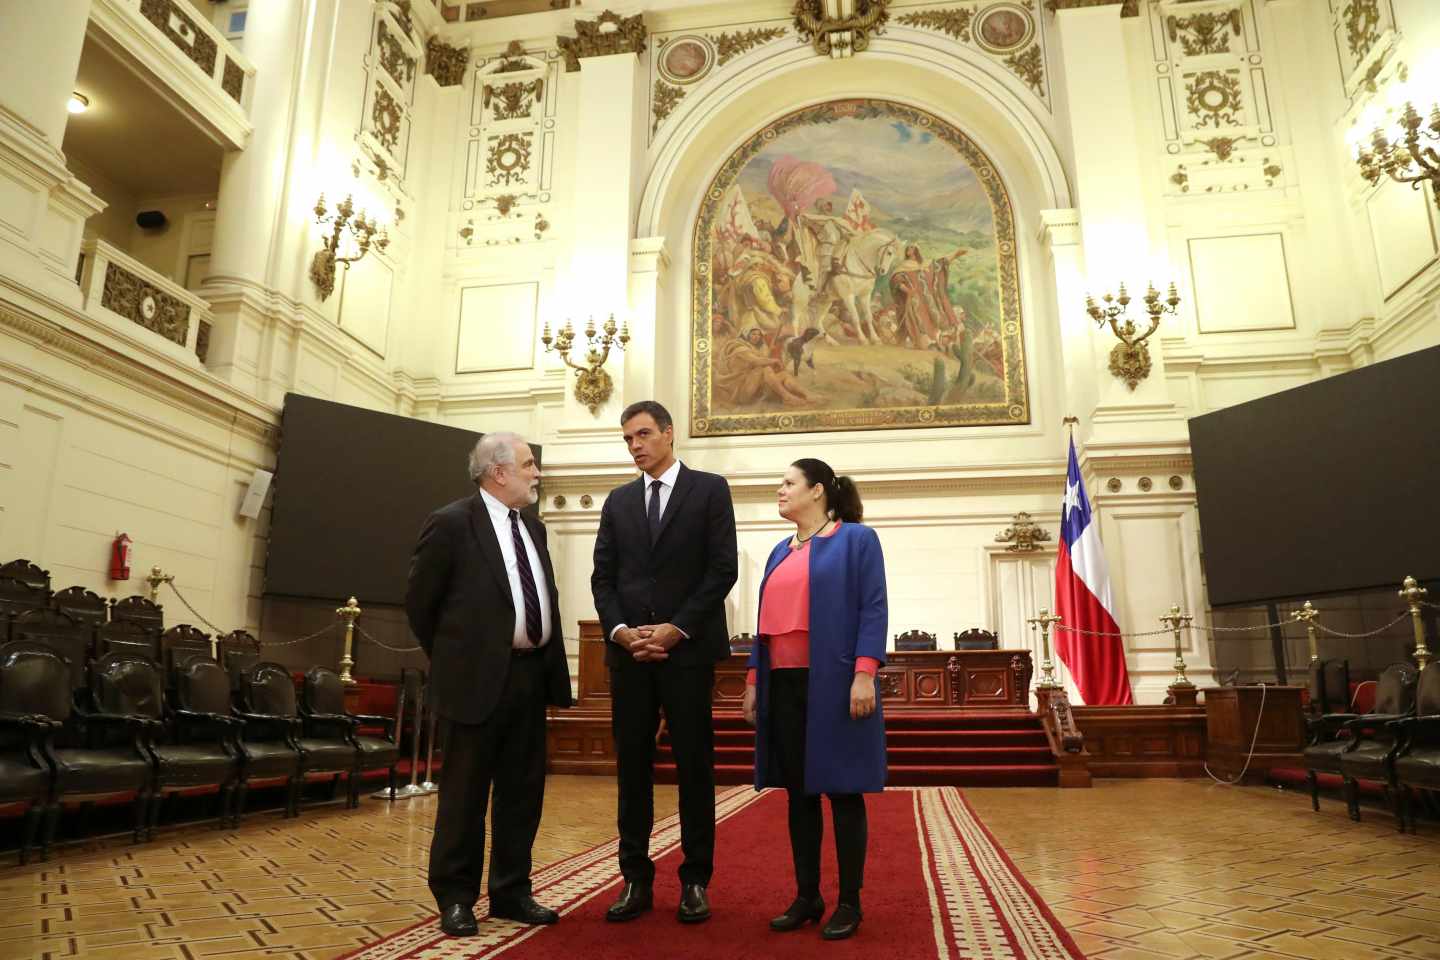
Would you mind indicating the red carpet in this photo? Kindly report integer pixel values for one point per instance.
(936, 885)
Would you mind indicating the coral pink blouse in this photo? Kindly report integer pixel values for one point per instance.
(785, 615)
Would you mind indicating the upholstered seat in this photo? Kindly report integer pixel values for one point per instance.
(25, 776)
(1417, 763)
(323, 710)
(1372, 736)
(269, 696)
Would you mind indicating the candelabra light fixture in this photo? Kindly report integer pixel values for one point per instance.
(1402, 152)
(349, 227)
(593, 385)
(1130, 358)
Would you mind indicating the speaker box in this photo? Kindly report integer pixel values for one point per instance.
(255, 495)
(150, 219)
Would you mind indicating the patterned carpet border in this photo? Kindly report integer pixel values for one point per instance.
(981, 907)
(566, 884)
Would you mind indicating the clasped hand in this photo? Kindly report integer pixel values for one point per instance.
(651, 642)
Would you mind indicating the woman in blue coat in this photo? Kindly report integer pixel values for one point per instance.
(811, 690)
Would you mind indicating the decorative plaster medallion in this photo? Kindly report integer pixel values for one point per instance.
(148, 308)
(686, 60)
(1004, 27)
(1176, 482)
(1146, 483)
(1113, 485)
(587, 501)
(559, 501)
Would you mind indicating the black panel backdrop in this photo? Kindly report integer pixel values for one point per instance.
(352, 488)
(1330, 487)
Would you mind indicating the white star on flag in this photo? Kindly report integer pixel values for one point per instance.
(1072, 499)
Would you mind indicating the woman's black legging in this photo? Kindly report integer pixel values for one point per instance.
(789, 695)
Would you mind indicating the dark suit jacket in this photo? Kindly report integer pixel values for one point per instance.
(682, 578)
(461, 611)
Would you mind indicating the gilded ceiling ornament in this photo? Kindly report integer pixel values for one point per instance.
(1128, 8)
(399, 64)
(606, 35)
(1362, 26)
(513, 59)
(731, 45)
(1181, 178)
(144, 303)
(666, 97)
(1023, 535)
(1222, 147)
(509, 159)
(515, 100)
(956, 23)
(400, 9)
(1204, 33)
(839, 36)
(385, 119)
(446, 63)
(1213, 98)
(1272, 171)
(1029, 66)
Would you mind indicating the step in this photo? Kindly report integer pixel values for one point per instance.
(898, 757)
(914, 738)
(990, 775)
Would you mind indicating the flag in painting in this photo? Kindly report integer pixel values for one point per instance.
(1083, 601)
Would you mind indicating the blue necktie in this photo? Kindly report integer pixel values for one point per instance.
(652, 512)
(527, 582)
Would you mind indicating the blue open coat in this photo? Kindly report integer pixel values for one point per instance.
(848, 618)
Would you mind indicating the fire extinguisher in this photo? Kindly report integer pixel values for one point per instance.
(120, 557)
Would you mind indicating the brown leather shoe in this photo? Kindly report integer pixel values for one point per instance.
(634, 900)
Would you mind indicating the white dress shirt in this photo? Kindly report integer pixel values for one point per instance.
(500, 519)
(667, 487)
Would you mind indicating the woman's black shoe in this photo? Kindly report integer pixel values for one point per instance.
(843, 923)
(799, 913)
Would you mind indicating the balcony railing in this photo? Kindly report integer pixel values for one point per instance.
(120, 292)
(185, 51)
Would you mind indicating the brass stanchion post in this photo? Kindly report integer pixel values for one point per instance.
(155, 579)
(1182, 691)
(349, 613)
(1307, 615)
(1412, 593)
(1047, 668)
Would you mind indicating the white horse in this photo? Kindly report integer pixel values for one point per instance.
(867, 258)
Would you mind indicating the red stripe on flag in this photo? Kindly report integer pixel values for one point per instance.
(1096, 664)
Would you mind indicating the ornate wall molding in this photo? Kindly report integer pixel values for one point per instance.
(1008, 31)
(843, 36)
(1128, 8)
(446, 63)
(396, 60)
(1204, 33)
(175, 22)
(146, 304)
(384, 134)
(731, 45)
(665, 99)
(609, 34)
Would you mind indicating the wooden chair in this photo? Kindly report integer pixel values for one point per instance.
(239, 651)
(17, 597)
(87, 606)
(1334, 735)
(269, 695)
(977, 638)
(62, 633)
(27, 573)
(742, 643)
(914, 640)
(180, 643)
(1417, 765)
(128, 636)
(323, 711)
(138, 609)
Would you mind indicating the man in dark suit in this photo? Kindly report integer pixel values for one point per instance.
(483, 602)
(665, 559)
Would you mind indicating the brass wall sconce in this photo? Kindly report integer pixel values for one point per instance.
(1130, 358)
(1404, 159)
(343, 221)
(593, 385)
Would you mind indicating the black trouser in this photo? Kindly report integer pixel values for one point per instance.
(789, 696)
(508, 752)
(637, 692)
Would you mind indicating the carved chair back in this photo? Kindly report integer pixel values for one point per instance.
(977, 638)
(915, 640)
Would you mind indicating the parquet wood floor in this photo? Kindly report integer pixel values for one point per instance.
(1137, 870)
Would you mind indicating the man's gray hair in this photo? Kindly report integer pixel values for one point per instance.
(493, 450)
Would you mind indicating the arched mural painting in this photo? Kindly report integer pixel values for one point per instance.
(854, 268)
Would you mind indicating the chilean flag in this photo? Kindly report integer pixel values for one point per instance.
(1083, 602)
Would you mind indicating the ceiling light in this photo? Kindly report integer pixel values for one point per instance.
(79, 103)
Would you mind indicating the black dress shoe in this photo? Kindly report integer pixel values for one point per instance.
(523, 910)
(799, 913)
(634, 900)
(458, 920)
(694, 904)
(842, 923)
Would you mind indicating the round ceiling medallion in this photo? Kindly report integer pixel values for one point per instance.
(686, 59)
(1004, 27)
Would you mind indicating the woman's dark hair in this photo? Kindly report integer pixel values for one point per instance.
(842, 499)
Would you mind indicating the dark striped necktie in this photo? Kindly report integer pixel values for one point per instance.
(527, 581)
(652, 510)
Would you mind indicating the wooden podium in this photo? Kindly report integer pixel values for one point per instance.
(1232, 715)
